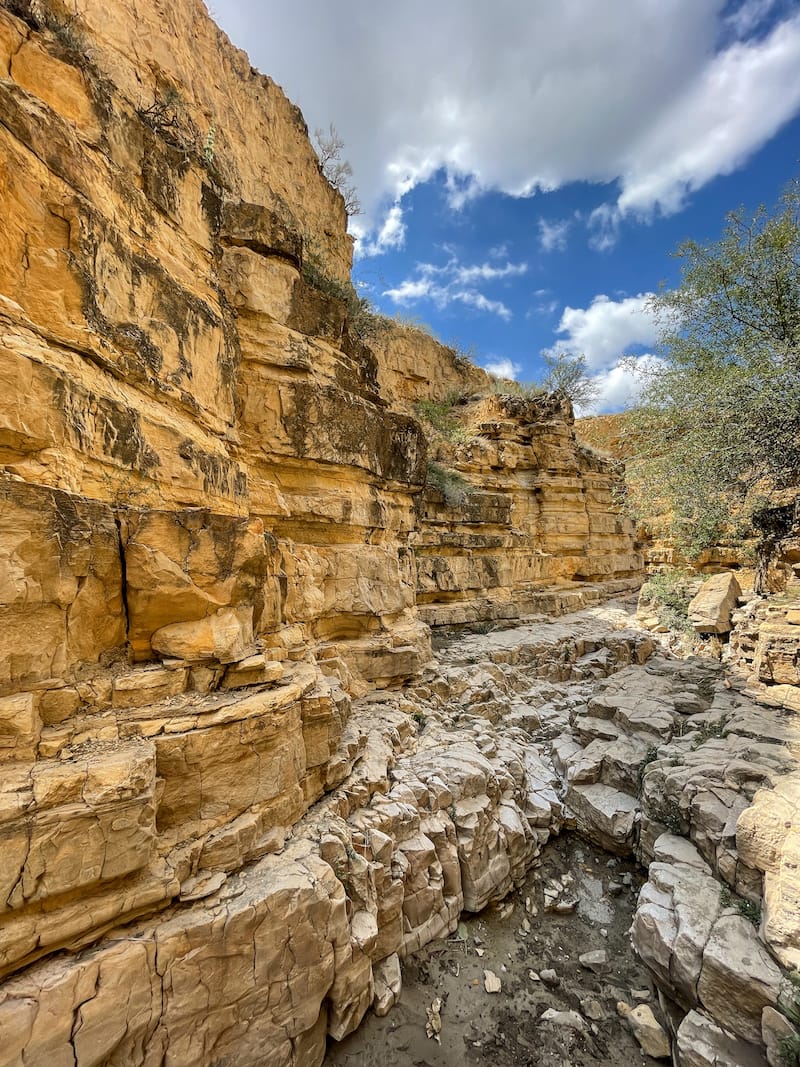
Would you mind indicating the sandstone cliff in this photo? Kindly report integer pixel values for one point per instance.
(215, 532)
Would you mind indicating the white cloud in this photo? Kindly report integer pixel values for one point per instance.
(605, 330)
(502, 368)
(620, 385)
(486, 272)
(518, 97)
(735, 104)
(411, 290)
(603, 225)
(392, 235)
(553, 235)
(452, 282)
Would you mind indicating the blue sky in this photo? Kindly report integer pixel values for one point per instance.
(527, 169)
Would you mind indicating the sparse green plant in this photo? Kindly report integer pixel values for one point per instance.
(419, 719)
(439, 415)
(208, 147)
(413, 322)
(65, 26)
(667, 813)
(789, 1051)
(342, 872)
(669, 592)
(650, 756)
(362, 319)
(454, 486)
(789, 996)
(509, 387)
(748, 909)
(706, 730)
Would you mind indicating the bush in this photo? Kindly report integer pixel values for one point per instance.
(668, 593)
(453, 485)
(746, 908)
(718, 426)
(508, 387)
(362, 319)
(439, 415)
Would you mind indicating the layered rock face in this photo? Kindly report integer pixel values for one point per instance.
(536, 513)
(212, 539)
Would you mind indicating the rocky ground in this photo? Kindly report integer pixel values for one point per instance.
(641, 756)
(511, 802)
(551, 1009)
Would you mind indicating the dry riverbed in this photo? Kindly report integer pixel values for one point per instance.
(522, 945)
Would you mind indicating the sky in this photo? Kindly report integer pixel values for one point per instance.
(526, 169)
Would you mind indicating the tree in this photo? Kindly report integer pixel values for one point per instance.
(329, 147)
(717, 432)
(567, 374)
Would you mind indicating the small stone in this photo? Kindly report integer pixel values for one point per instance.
(646, 1029)
(570, 1019)
(640, 994)
(614, 889)
(534, 977)
(549, 976)
(593, 1009)
(596, 960)
(566, 906)
(491, 983)
(433, 1026)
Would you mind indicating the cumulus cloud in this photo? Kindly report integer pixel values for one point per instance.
(735, 104)
(453, 282)
(619, 385)
(607, 329)
(502, 368)
(519, 97)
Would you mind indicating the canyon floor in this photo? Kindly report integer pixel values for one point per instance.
(503, 1029)
(658, 757)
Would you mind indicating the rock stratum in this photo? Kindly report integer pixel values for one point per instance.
(216, 540)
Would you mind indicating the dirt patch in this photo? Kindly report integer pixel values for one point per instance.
(511, 940)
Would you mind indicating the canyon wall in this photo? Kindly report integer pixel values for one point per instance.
(215, 534)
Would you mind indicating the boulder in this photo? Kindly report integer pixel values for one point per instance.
(701, 1043)
(739, 977)
(225, 636)
(710, 611)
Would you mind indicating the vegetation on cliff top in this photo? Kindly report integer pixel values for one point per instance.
(717, 432)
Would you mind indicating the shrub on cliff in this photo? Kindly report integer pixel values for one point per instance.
(718, 430)
(450, 483)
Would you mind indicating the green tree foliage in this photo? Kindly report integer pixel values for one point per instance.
(567, 374)
(717, 433)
